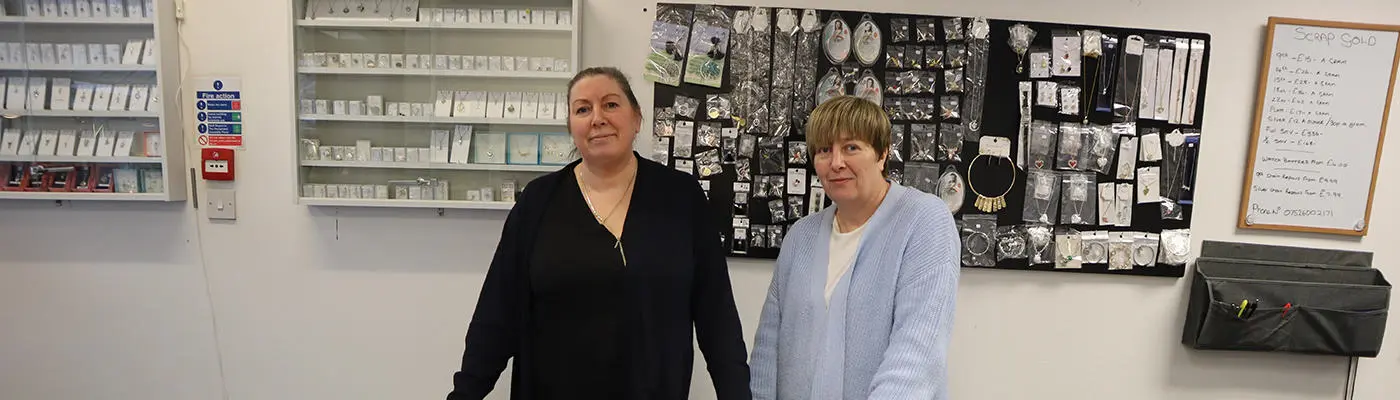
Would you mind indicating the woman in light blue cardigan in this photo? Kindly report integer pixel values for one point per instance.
(861, 303)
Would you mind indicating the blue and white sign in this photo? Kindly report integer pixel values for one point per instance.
(219, 111)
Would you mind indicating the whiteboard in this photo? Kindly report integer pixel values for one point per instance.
(1324, 93)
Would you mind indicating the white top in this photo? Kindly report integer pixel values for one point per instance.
(842, 256)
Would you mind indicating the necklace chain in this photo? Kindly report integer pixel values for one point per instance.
(601, 219)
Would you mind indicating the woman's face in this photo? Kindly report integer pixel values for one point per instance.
(601, 120)
(851, 171)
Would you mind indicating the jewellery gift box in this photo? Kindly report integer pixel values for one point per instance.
(524, 149)
(555, 148)
(490, 148)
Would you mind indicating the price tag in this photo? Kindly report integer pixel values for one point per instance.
(995, 146)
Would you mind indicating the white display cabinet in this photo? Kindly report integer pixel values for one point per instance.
(86, 101)
(431, 103)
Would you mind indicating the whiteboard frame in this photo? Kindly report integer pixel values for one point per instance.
(1259, 115)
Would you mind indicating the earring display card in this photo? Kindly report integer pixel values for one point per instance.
(1072, 103)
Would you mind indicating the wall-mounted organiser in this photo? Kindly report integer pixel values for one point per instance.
(431, 104)
(1081, 140)
(1252, 297)
(83, 114)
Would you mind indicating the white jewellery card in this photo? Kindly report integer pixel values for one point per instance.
(121, 92)
(546, 107)
(87, 144)
(1178, 79)
(461, 104)
(82, 97)
(461, 145)
(114, 53)
(9, 142)
(48, 143)
(476, 104)
(48, 53)
(1147, 99)
(495, 104)
(97, 54)
(125, 140)
(65, 53)
(1165, 58)
(33, 54)
(132, 55)
(139, 95)
(59, 98)
(148, 53)
(443, 106)
(153, 100)
(530, 105)
(106, 142)
(80, 53)
(512, 109)
(15, 96)
(441, 146)
(29, 143)
(38, 87)
(67, 142)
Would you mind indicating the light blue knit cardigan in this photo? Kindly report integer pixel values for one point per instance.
(885, 334)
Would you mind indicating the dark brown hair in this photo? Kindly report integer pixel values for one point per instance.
(610, 72)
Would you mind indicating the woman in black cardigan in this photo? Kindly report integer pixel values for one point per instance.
(602, 270)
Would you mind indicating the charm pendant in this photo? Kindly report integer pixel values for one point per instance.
(990, 204)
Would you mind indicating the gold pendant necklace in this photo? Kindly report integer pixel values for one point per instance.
(603, 220)
(984, 203)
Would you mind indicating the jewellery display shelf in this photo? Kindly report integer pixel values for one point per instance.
(953, 89)
(431, 104)
(84, 101)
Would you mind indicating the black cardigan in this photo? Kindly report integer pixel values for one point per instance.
(677, 277)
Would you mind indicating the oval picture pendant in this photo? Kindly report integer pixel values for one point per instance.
(869, 88)
(867, 42)
(836, 39)
(950, 189)
(829, 86)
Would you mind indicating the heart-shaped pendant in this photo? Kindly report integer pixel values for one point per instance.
(1074, 163)
(1040, 163)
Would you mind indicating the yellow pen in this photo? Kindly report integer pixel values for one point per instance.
(1243, 305)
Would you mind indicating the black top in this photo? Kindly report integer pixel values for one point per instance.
(577, 303)
(675, 292)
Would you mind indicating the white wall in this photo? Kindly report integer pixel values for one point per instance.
(110, 300)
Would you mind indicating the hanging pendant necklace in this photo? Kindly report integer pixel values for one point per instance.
(602, 220)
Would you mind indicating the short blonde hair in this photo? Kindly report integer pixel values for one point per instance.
(849, 117)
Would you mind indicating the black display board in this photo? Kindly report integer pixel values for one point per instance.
(1000, 117)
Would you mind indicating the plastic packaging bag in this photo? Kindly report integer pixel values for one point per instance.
(670, 38)
(924, 142)
(950, 138)
(978, 233)
(926, 29)
(1011, 243)
(707, 134)
(685, 106)
(1044, 136)
(1041, 244)
(1042, 196)
(899, 30)
(709, 45)
(1080, 195)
